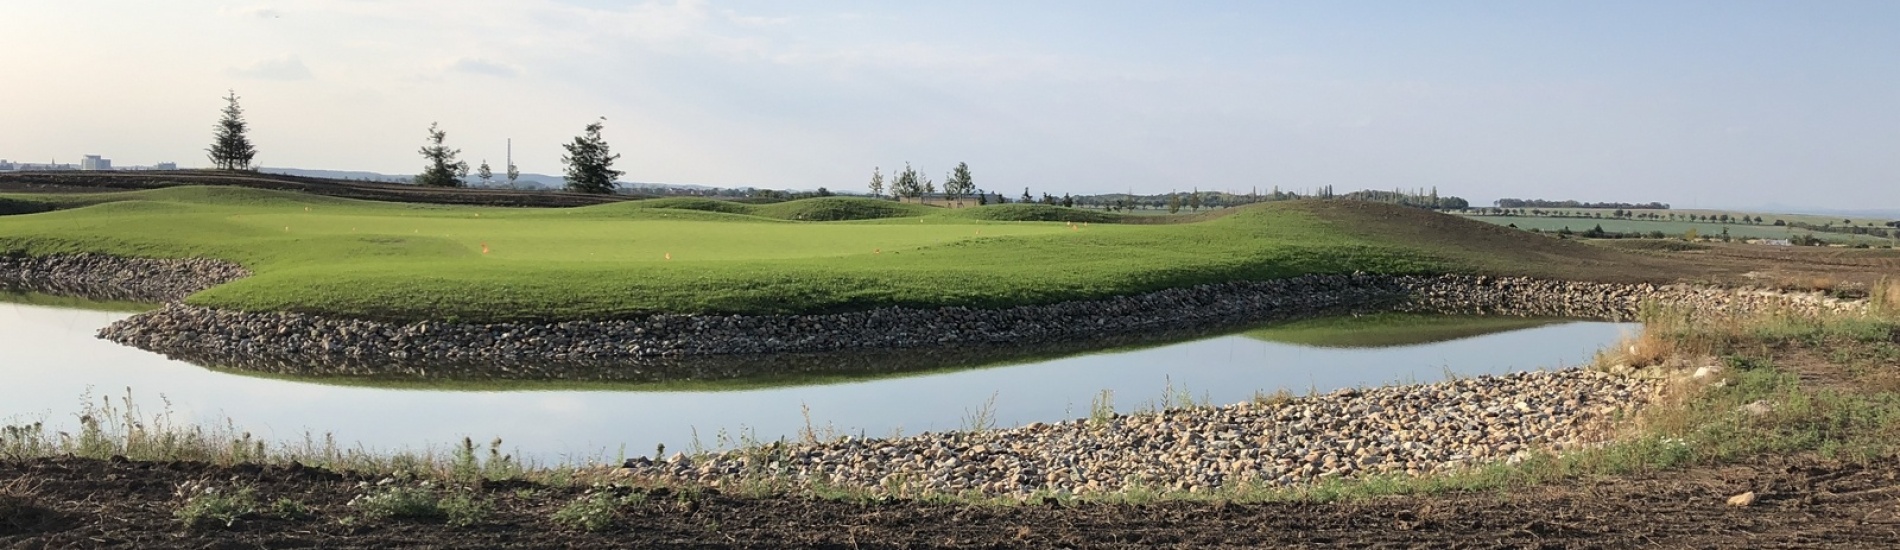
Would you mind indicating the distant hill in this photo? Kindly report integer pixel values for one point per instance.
(526, 181)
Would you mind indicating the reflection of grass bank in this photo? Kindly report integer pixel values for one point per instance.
(9, 296)
(1391, 329)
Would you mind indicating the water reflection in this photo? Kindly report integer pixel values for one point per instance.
(52, 360)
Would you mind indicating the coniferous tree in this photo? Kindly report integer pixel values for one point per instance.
(230, 148)
(958, 183)
(1194, 200)
(907, 183)
(484, 173)
(589, 163)
(877, 182)
(443, 169)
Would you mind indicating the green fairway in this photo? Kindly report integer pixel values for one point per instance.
(404, 261)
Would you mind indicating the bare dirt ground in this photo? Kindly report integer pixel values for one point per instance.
(1804, 503)
(83, 182)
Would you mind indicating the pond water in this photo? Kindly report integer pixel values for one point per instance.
(50, 363)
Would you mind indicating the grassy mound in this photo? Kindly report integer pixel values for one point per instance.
(830, 209)
(1487, 247)
(1017, 212)
(689, 203)
(9, 207)
(404, 261)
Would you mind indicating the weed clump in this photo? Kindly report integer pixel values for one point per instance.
(207, 506)
(596, 511)
(416, 503)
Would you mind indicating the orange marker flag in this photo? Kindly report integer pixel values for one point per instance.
(669, 255)
(875, 251)
(484, 248)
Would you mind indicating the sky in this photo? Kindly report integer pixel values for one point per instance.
(1699, 104)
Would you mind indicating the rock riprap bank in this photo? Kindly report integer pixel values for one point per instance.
(116, 278)
(1417, 429)
(297, 343)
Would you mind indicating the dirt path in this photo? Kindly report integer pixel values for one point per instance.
(1804, 504)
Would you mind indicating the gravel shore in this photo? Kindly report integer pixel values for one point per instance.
(659, 345)
(116, 278)
(1416, 429)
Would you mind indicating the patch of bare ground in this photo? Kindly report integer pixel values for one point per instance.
(1803, 503)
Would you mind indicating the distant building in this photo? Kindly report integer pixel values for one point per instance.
(6, 165)
(24, 167)
(165, 166)
(95, 162)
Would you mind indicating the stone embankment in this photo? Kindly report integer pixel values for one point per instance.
(1418, 429)
(116, 278)
(295, 343)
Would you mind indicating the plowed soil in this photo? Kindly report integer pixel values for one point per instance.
(1804, 503)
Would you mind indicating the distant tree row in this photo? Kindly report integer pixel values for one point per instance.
(1536, 203)
(588, 159)
(914, 185)
(1421, 198)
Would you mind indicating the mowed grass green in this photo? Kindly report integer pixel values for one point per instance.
(410, 262)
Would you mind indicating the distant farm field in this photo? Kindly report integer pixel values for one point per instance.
(410, 261)
(1675, 228)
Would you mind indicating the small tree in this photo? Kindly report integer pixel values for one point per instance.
(1068, 201)
(958, 183)
(982, 198)
(590, 166)
(877, 182)
(484, 173)
(514, 173)
(1194, 200)
(906, 184)
(1026, 198)
(443, 170)
(928, 186)
(230, 148)
(1174, 204)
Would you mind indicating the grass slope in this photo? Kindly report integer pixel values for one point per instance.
(409, 261)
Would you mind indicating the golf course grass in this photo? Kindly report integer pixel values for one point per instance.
(401, 261)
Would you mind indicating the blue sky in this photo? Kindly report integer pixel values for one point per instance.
(1692, 103)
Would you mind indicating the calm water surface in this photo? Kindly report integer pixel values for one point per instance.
(49, 362)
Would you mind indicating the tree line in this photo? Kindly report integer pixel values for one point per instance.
(1537, 203)
(589, 161)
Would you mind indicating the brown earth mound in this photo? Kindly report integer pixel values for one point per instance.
(76, 182)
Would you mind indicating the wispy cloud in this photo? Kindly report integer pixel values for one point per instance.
(260, 12)
(288, 67)
(483, 67)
